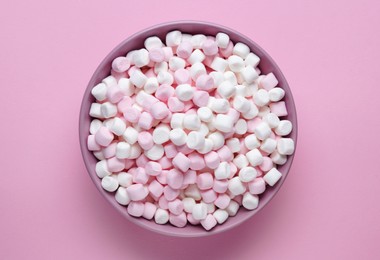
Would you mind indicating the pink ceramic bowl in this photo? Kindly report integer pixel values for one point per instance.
(135, 42)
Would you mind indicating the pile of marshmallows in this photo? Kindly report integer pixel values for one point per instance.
(189, 131)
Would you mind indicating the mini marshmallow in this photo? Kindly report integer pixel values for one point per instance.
(272, 177)
(164, 77)
(177, 120)
(236, 187)
(276, 94)
(285, 146)
(173, 38)
(135, 151)
(196, 70)
(108, 110)
(269, 81)
(184, 49)
(240, 161)
(121, 196)
(249, 74)
(268, 145)
(151, 85)
(152, 42)
(201, 98)
(226, 89)
(199, 211)
(159, 110)
(247, 174)
(161, 134)
(182, 76)
(278, 108)
(223, 123)
(254, 157)
(95, 125)
(205, 181)
(218, 140)
(101, 169)
(155, 153)
(137, 192)
(262, 131)
(205, 114)
(261, 98)
(241, 127)
(191, 122)
(195, 140)
(217, 77)
(161, 216)
(210, 47)
(250, 201)
(176, 63)
(110, 81)
(220, 216)
(207, 147)
(220, 105)
(138, 79)
(184, 92)
(240, 49)
(175, 177)
(130, 135)
(188, 204)
(103, 136)
(135, 209)
(253, 112)
(178, 136)
(123, 150)
(235, 63)
(252, 60)
(161, 66)
(175, 207)
(233, 145)
(196, 56)
(99, 91)
(125, 179)
(192, 191)
(181, 162)
(197, 40)
(209, 222)
(272, 120)
(157, 54)
(284, 128)
(278, 158)
(149, 210)
(141, 58)
(241, 104)
(222, 40)
(222, 171)
(118, 126)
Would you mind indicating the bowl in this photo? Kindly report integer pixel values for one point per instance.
(136, 41)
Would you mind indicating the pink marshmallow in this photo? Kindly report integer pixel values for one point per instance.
(135, 209)
(191, 219)
(164, 92)
(175, 207)
(115, 165)
(257, 186)
(121, 64)
(222, 201)
(103, 136)
(129, 163)
(156, 188)
(168, 118)
(201, 98)
(178, 220)
(150, 72)
(197, 161)
(252, 124)
(163, 202)
(243, 148)
(184, 49)
(212, 160)
(145, 121)
(184, 149)
(137, 192)
(269, 81)
(148, 102)
(278, 108)
(153, 168)
(190, 177)
(170, 194)
(149, 210)
(159, 110)
(114, 94)
(124, 103)
(182, 76)
(175, 105)
(209, 222)
(145, 140)
(156, 55)
(267, 164)
(227, 52)
(234, 114)
(110, 150)
(174, 178)
(210, 47)
(140, 176)
(181, 162)
(220, 186)
(165, 163)
(208, 196)
(205, 82)
(168, 53)
(142, 161)
(170, 150)
(205, 181)
(225, 154)
(132, 114)
(162, 177)
(92, 145)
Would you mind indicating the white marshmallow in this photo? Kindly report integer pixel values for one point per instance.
(121, 196)
(223, 123)
(241, 127)
(223, 171)
(226, 89)
(261, 98)
(263, 111)
(126, 86)
(161, 216)
(135, 151)
(108, 109)
(241, 49)
(240, 161)
(152, 43)
(151, 85)
(251, 142)
(241, 104)
(110, 81)
(96, 110)
(196, 70)
(222, 40)
(219, 105)
(217, 139)
(123, 150)
(177, 120)
(197, 40)
(186, 37)
(178, 136)
(285, 146)
(233, 144)
(108, 122)
(241, 90)
(138, 79)
(218, 77)
(101, 169)
(272, 120)
(196, 56)
(252, 60)
(192, 191)
(99, 155)
(284, 128)
(276, 94)
(161, 66)
(250, 201)
(235, 186)
(141, 58)
(231, 77)
(125, 179)
(191, 122)
(207, 147)
(269, 145)
(118, 126)
(188, 204)
(232, 208)
(110, 183)
(253, 112)
(173, 38)
(184, 92)
(100, 91)
(247, 174)
(141, 96)
(195, 140)
(199, 211)
(164, 77)
(278, 158)
(155, 153)
(219, 64)
(272, 176)
(249, 74)
(95, 125)
(130, 135)
(161, 134)
(235, 63)
(205, 114)
(254, 157)
(176, 63)
(220, 215)
(262, 131)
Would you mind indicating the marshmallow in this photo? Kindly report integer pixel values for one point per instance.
(285, 146)
(272, 120)
(197, 40)
(233, 145)
(152, 43)
(110, 183)
(124, 179)
(135, 209)
(199, 211)
(95, 125)
(226, 89)
(209, 222)
(241, 127)
(269, 81)
(241, 104)
(99, 91)
(250, 201)
(254, 157)
(222, 171)
(196, 70)
(240, 161)
(210, 47)
(182, 76)
(178, 220)
(161, 216)
(278, 158)
(278, 108)
(161, 134)
(218, 140)
(184, 49)
(276, 94)
(123, 150)
(284, 128)
(110, 81)
(130, 135)
(222, 40)
(137, 192)
(252, 60)
(175, 207)
(138, 79)
(223, 123)
(249, 74)
(195, 140)
(235, 63)
(262, 131)
(205, 181)
(164, 77)
(188, 204)
(151, 85)
(176, 63)
(141, 58)
(121, 196)
(268, 145)
(173, 38)
(178, 136)
(184, 92)
(240, 49)
(261, 98)
(236, 187)
(155, 153)
(205, 114)
(217, 77)
(219, 105)
(196, 56)
(108, 110)
(181, 162)
(161, 66)
(220, 216)
(207, 147)
(272, 176)
(253, 112)
(175, 177)
(118, 126)
(191, 122)
(120, 64)
(192, 191)
(135, 151)
(103, 136)
(247, 174)
(201, 98)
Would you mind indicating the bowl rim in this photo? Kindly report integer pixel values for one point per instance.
(122, 209)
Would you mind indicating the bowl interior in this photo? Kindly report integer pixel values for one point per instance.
(135, 42)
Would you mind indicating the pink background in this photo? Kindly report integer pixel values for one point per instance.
(327, 209)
